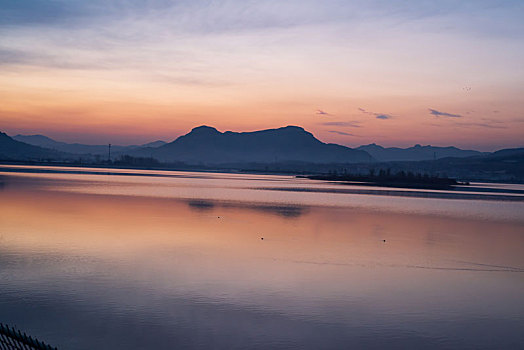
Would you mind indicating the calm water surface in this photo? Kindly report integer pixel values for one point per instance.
(130, 259)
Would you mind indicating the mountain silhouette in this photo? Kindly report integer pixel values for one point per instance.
(78, 148)
(288, 148)
(506, 165)
(153, 144)
(416, 152)
(207, 145)
(15, 150)
(510, 153)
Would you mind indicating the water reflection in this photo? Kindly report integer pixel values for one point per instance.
(94, 269)
(287, 211)
(201, 205)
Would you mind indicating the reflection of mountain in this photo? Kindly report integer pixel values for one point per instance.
(286, 211)
(289, 211)
(14, 150)
(206, 145)
(78, 148)
(416, 152)
(200, 205)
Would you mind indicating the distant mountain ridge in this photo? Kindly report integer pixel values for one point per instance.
(153, 144)
(78, 148)
(416, 152)
(207, 145)
(288, 148)
(508, 152)
(377, 152)
(11, 149)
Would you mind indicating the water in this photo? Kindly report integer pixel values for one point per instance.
(170, 260)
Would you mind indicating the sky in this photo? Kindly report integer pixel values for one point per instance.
(395, 73)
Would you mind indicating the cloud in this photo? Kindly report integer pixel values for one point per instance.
(480, 125)
(40, 59)
(443, 114)
(485, 123)
(188, 80)
(351, 124)
(14, 56)
(382, 116)
(341, 132)
(321, 112)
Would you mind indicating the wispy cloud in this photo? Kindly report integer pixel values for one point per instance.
(321, 112)
(350, 124)
(480, 125)
(341, 133)
(188, 80)
(486, 124)
(443, 114)
(15, 57)
(382, 116)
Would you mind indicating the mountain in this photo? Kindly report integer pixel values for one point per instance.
(503, 165)
(15, 150)
(36, 140)
(78, 148)
(75, 148)
(506, 165)
(289, 148)
(206, 145)
(153, 144)
(415, 153)
(509, 153)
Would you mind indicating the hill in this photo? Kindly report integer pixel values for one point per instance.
(15, 150)
(78, 148)
(415, 153)
(206, 145)
(505, 165)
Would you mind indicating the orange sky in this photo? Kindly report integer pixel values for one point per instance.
(349, 73)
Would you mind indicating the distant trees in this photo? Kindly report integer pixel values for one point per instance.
(386, 177)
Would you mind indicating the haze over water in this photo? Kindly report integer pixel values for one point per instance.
(163, 260)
